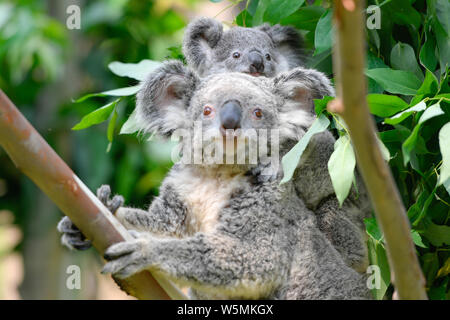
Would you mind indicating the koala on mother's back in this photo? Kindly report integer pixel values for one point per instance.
(260, 51)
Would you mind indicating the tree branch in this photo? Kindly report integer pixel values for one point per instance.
(35, 158)
(349, 63)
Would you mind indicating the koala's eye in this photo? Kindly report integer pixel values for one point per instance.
(207, 111)
(257, 113)
(236, 55)
(268, 57)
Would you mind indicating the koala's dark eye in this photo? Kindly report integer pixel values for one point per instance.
(268, 57)
(236, 55)
(257, 113)
(207, 111)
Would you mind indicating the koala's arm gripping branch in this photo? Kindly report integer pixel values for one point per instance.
(349, 63)
(34, 157)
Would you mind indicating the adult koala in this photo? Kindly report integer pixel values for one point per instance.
(218, 227)
(264, 50)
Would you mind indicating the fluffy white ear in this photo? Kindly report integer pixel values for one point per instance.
(298, 88)
(164, 97)
(200, 37)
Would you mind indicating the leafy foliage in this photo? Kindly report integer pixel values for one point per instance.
(409, 96)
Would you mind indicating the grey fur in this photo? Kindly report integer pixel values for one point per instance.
(263, 241)
(209, 50)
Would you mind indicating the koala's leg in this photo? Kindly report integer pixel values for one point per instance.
(166, 215)
(347, 238)
(318, 271)
(214, 264)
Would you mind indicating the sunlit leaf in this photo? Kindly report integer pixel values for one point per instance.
(138, 71)
(120, 92)
(341, 167)
(384, 105)
(292, 158)
(444, 145)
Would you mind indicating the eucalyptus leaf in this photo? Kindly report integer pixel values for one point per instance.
(96, 117)
(120, 92)
(444, 145)
(384, 105)
(341, 167)
(131, 125)
(292, 158)
(431, 112)
(399, 117)
(279, 9)
(138, 71)
(395, 81)
(404, 58)
(323, 39)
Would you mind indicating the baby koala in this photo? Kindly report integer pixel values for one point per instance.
(260, 51)
(217, 226)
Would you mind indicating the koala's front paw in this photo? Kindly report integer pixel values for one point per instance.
(72, 237)
(129, 257)
(104, 195)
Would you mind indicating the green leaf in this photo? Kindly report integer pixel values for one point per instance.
(374, 62)
(259, 12)
(403, 13)
(244, 19)
(384, 105)
(321, 104)
(417, 239)
(444, 145)
(431, 112)
(378, 257)
(404, 58)
(427, 54)
(443, 45)
(372, 229)
(399, 117)
(341, 167)
(323, 39)
(443, 14)
(138, 71)
(429, 86)
(395, 81)
(111, 126)
(120, 92)
(305, 18)
(437, 235)
(96, 117)
(279, 9)
(131, 125)
(292, 158)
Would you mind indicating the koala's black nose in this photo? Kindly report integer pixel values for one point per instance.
(230, 115)
(256, 62)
